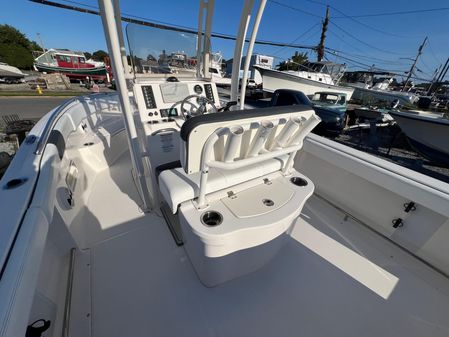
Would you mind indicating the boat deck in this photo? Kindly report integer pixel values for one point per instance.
(334, 277)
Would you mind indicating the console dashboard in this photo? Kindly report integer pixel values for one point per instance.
(157, 99)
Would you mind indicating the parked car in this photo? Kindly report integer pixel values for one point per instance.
(332, 118)
(330, 100)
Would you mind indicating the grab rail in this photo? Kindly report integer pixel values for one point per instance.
(68, 295)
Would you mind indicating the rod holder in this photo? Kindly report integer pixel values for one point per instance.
(260, 138)
(307, 126)
(287, 132)
(233, 143)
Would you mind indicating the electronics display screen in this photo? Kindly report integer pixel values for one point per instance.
(174, 92)
(172, 112)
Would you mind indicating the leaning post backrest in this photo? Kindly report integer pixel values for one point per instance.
(242, 136)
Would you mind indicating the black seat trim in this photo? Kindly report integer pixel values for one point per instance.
(167, 166)
(230, 116)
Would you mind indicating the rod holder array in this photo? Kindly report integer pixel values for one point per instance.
(260, 138)
(287, 142)
(233, 143)
(307, 126)
(287, 132)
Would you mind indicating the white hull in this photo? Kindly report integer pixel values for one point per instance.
(274, 79)
(383, 95)
(7, 71)
(221, 81)
(430, 130)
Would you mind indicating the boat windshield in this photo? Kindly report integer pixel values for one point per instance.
(160, 51)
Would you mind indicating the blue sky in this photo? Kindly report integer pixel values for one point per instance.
(385, 41)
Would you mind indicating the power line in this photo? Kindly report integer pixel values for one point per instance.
(295, 9)
(366, 57)
(424, 64)
(161, 25)
(363, 42)
(345, 16)
(433, 53)
(297, 38)
(374, 59)
(317, 2)
(349, 59)
(148, 23)
(370, 68)
(420, 11)
(95, 11)
(363, 57)
(344, 41)
(367, 26)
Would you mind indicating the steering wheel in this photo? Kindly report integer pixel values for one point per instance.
(199, 105)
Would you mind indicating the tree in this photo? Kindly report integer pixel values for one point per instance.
(16, 55)
(10, 35)
(294, 63)
(87, 55)
(99, 55)
(15, 48)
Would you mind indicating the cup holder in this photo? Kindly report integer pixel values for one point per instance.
(298, 181)
(211, 218)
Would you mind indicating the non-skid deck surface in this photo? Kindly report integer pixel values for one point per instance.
(333, 278)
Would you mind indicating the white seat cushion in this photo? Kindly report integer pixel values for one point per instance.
(176, 186)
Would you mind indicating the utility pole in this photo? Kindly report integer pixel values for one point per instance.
(412, 69)
(320, 48)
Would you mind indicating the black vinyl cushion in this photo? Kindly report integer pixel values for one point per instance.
(167, 166)
(230, 116)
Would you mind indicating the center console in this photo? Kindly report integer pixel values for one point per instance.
(159, 104)
(159, 101)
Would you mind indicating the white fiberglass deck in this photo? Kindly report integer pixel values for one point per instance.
(334, 277)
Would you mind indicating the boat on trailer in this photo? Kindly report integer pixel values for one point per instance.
(155, 211)
(427, 132)
(312, 77)
(72, 64)
(370, 90)
(10, 74)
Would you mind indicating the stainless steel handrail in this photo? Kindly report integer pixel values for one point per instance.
(164, 130)
(68, 294)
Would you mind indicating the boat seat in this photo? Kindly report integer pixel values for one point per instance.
(179, 185)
